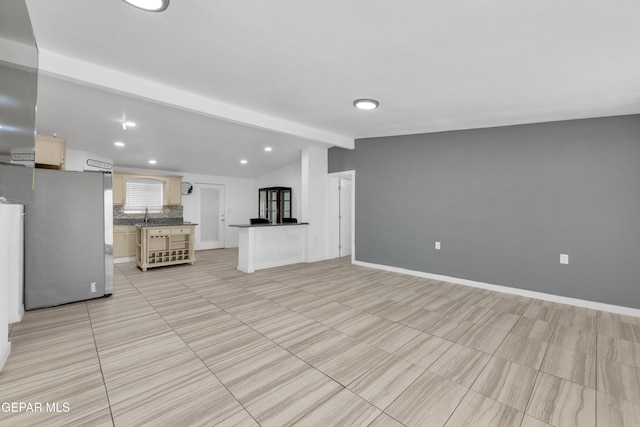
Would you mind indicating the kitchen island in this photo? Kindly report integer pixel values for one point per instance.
(263, 246)
(160, 244)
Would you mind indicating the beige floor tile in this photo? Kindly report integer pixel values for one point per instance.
(257, 384)
(571, 365)
(423, 350)
(521, 350)
(153, 353)
(346, 367)
(529, 421)
(499, 320)
(385, 381)
(429, 401)
(619, 380)
(461, 364)
(618, 329)
(615, 412)
(533, 329)
(541, 312)
(483, 338)
(578, 319)
(113, 334)
(562, 403)
(506, 382)
(511, 305)
(239, 419)
(182, 394)
(463, 311)
(392, 310)
(619, 350)
(575, 339)
(421, 318)
(214, 353)
(477, 410)
(385, 420)
(446, 327)
(326, 347)
(294, 400)
(343, 409)
(388, 336)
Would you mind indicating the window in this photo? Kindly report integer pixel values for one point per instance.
(143, 194)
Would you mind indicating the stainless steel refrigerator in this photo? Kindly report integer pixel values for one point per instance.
(68, 238)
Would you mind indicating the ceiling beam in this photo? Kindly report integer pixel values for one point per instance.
(75, 70)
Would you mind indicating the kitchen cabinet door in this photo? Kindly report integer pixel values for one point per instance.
(118, 189)
(173, 189)
(131, 241)
(51, 151)
(120, 248)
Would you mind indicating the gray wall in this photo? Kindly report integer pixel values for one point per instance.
(505, 203)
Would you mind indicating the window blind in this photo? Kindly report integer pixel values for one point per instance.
(142, 194)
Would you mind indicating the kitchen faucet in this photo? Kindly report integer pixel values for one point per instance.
(146, 215)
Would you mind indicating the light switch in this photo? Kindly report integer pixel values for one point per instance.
(438, 245)
(564, 258)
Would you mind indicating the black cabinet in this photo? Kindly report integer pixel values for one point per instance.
(274, 204)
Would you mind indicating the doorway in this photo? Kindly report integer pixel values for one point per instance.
(209, 216)
(341, 219)
(344, 216)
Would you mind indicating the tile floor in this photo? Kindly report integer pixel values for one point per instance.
(318, 345)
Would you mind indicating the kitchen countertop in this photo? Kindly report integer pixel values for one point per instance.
(268, 225)
(163, 224)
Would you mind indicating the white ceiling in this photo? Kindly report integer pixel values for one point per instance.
(289, 70)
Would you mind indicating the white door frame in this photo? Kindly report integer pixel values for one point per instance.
(221, 209)
(334, 212)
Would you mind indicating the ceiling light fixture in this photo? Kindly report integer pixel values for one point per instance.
(366, 104)
(152, 162)
(118, 144)
(268, 149)
(149, 5)
(243, 161)
(126, 125)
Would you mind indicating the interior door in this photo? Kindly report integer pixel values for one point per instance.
(345, 216)
(209, 216)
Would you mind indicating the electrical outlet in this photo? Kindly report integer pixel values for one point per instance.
(93, 286)
(564, 258)
(438, 245)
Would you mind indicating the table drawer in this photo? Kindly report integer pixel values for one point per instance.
(158, 232)
(182, 230)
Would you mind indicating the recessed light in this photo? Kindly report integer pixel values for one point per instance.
(152, 162)
(366, 104)
(149, 5)
(243, 161)
(118, 144)
(126, 125)
(268, 149)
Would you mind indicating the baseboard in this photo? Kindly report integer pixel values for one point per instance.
(628, 311)
(124, 259)
(5, 351)
(17, 317)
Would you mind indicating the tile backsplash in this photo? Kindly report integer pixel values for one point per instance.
(172, 212)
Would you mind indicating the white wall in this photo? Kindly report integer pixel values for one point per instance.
(287, 176)
(315, 202)
(239, 193)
